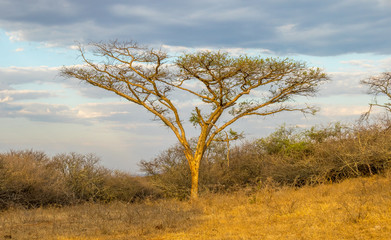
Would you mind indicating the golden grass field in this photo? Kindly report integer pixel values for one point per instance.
(354, 209)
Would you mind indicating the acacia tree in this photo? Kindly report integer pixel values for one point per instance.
(379, 85)
(227, 87)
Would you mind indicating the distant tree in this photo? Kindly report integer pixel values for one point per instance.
(379, 85)
(228, 87)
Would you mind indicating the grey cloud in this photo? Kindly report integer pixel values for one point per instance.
(21, 75)
(41, 112)
(7, 110)
(11, 77)
(85, 89)
(9, 95)
(305, 26)
(117, 113)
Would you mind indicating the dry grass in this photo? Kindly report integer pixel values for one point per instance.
(354, 209)
(97, 221)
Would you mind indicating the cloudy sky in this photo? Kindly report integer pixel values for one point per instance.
(349, 39)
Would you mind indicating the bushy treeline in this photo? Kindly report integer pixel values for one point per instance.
(289, 156)
(31, 179)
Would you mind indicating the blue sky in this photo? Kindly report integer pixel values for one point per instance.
(349, 39)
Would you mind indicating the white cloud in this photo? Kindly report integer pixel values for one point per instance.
(101, 110)
(25, 94)
(368, 64)
(343, 83)
(385, 64)
(342, 111)
(16, 36)
(42, 112)
(16, 76)
(234, 51)
(176, 49)
(74, 47)
(371, 65)
(6, 99)
(287, 28)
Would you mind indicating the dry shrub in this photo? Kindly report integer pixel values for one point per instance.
(363, 151)
(32, 179)
(289, 156)
(330, 154)
(82, 174)
(26, 178)
(169, 172)
(121, 186)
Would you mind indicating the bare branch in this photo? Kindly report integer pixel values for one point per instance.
(378, 85)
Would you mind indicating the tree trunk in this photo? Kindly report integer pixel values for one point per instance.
(194, 162)
(194, 169)
(194, 185)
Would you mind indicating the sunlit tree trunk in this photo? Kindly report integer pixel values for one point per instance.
(194, 159)
(194, 178)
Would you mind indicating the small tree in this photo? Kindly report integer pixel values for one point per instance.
(379, 85)
(228, 87)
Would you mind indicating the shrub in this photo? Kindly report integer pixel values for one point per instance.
(26, 178)
(32, 179)
(169, 172)
(86, 180)
(290, 156)
(83, 177)
(121, 186)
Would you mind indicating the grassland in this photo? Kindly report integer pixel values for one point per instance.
(357, 208)
(322, 183)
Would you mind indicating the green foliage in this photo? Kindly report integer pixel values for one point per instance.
(319, 135)
(285, 141)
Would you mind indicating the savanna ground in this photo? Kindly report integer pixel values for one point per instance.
(358, 208)
(323, 183)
